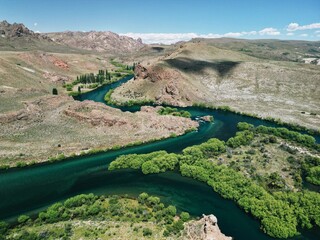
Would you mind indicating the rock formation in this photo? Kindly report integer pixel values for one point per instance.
(18, 30)
(204, 229)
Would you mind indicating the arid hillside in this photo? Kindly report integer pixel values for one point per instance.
(36, 125)
(52, 125)
(199, 72)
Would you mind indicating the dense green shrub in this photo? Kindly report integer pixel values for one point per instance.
(303, 139)
(241, 138)
(146, 232)
(100, 208)
(3, 228)
(314, 175)
(311, 169)
(174, 112)
(23, 219)
(280, 213)
(184, 216)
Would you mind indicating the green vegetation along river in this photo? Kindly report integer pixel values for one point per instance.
(27, 190)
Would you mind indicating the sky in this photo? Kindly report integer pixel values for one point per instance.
(168, 21)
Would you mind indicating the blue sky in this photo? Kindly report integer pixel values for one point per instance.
(171, 20)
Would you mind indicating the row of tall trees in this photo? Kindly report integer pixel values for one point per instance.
(91, 78)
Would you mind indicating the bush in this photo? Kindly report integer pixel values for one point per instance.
(174, 112)
(3, 228)
(241, 138)
(143, 197)
(314, 175)
(184, 216)
(171, 211)
(23, 219)
(146, 232)
(174, 228)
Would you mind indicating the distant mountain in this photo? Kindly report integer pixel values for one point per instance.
(97, 41)
(18, 30)
(16, 36)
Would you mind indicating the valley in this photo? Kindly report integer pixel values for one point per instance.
(93, 122)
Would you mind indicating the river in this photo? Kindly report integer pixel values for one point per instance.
(29, 190)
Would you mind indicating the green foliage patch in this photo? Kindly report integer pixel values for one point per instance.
(280, 213)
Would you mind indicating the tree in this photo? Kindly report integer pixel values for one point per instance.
(54, 91)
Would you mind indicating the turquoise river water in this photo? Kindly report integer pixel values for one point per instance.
(29, 190)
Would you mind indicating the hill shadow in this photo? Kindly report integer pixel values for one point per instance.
(190, 65)
(157, 49)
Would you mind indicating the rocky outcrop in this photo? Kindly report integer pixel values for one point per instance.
(89, 112)
(164, 83)
(204, 229)
(140, 72)
(18, 30)
(207, 118)
(61, 64)
(55, 78)
(98, 41)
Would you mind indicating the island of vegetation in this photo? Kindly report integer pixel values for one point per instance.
(262, 169)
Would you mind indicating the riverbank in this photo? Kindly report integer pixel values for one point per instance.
(117, 101)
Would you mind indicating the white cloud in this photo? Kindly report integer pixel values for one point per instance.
(233, 34)
(35, 24)
(239, 34)
(169, 38)
(165, 38)
(269, 31)
(295, 26)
